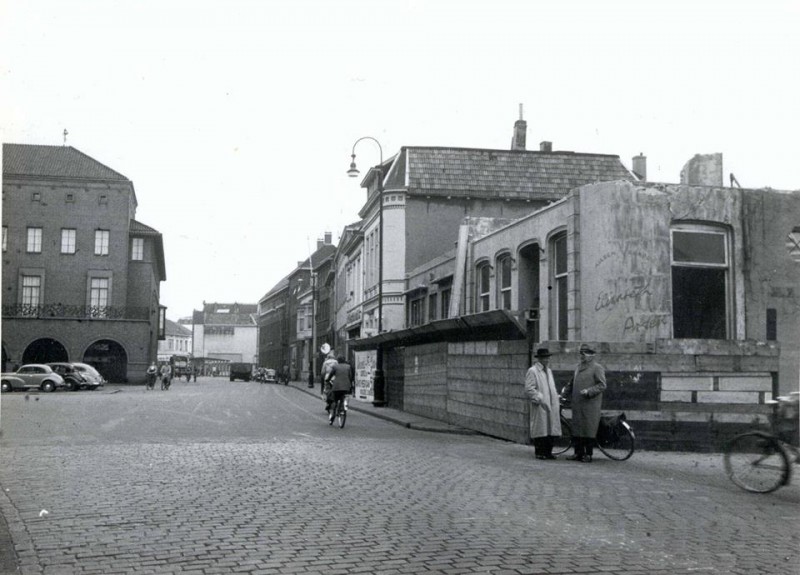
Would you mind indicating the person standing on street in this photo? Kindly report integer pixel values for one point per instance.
(545, 422)
(586, 393)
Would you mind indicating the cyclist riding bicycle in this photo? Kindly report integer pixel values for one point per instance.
(341, 378)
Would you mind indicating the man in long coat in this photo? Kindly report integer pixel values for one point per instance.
(545, 422)
(586, 392)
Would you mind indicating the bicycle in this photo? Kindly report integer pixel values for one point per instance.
(761, 462)
(338, 411)
(615, 437)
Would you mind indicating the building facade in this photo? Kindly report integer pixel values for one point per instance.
(686, 290)
(225, 331)
(81, 276)
(177, 340)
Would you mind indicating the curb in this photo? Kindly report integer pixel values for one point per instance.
(417, 426)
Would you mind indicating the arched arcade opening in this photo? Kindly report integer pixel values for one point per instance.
(45, 350)
(109, 358)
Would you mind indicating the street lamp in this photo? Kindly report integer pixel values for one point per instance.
(379, 386)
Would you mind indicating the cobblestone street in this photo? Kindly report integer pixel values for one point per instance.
(216, 477)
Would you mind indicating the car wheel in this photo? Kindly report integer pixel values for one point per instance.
(5, 386)
(71, 386)
(48, 386)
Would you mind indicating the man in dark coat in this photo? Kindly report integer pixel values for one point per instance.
(342, 380)
(586, 393)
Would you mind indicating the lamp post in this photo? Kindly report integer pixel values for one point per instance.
(379, 385)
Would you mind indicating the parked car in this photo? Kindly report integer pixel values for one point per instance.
(74, 378)
(270, 376)
(32, 376)
(91, 374)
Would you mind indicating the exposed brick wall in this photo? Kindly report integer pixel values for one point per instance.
(676, 394)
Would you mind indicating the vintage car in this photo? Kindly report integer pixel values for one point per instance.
(91, 374)
(75, 378)
(32, 376)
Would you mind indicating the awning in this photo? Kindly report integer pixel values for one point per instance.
(488, 325)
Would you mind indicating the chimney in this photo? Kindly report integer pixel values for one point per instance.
(328, 238)
(520, 131)
(703, 170)
(545, 146)
(320, 243)
(639, 169)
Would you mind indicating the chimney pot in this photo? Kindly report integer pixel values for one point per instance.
(639, 167)
(520, 132)
(546, 146)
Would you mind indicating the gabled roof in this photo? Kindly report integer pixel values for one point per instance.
(176, 329)
(279, 287)
(140, 229)
(60, 162)
(505, 174)
(237, 314)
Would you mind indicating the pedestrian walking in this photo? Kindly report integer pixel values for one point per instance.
(545, 421)
(586, 393)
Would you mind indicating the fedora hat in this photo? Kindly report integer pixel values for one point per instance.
(586, 349)
(543, 352)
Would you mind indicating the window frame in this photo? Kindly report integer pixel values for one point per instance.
(33, 244)
(504, 263)
(102, 241)
(137, 249)
(679, 330)
(483, 286)
(73, 244)
(559, 302)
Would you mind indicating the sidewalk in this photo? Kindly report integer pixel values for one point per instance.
(396, 416)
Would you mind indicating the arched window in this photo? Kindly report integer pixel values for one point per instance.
(558, 274)
(504, 282)
(483, 286)
(700, 281)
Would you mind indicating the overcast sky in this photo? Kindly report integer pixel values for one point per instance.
(235, 119)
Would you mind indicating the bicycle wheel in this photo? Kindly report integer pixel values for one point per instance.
(341, 413)
(756, 462)
(563, 443)
(621, 446)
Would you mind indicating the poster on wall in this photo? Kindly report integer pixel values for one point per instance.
(365, 374)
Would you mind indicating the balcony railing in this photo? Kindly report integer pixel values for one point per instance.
(61, 311)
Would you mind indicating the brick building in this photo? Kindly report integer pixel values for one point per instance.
(81, 276)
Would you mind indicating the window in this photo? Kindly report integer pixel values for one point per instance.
(5, 238)
(68, 240)
(700, 269)
(504, 282)
(559, 275)
(103, 200)
(483, 284)
(69, 198)
(137, 249)
(31, 291)
(36, 197)
(98, 296)
(445, 303)
(34, 240)
(415, 310)
(432, 307)
(101, 242)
